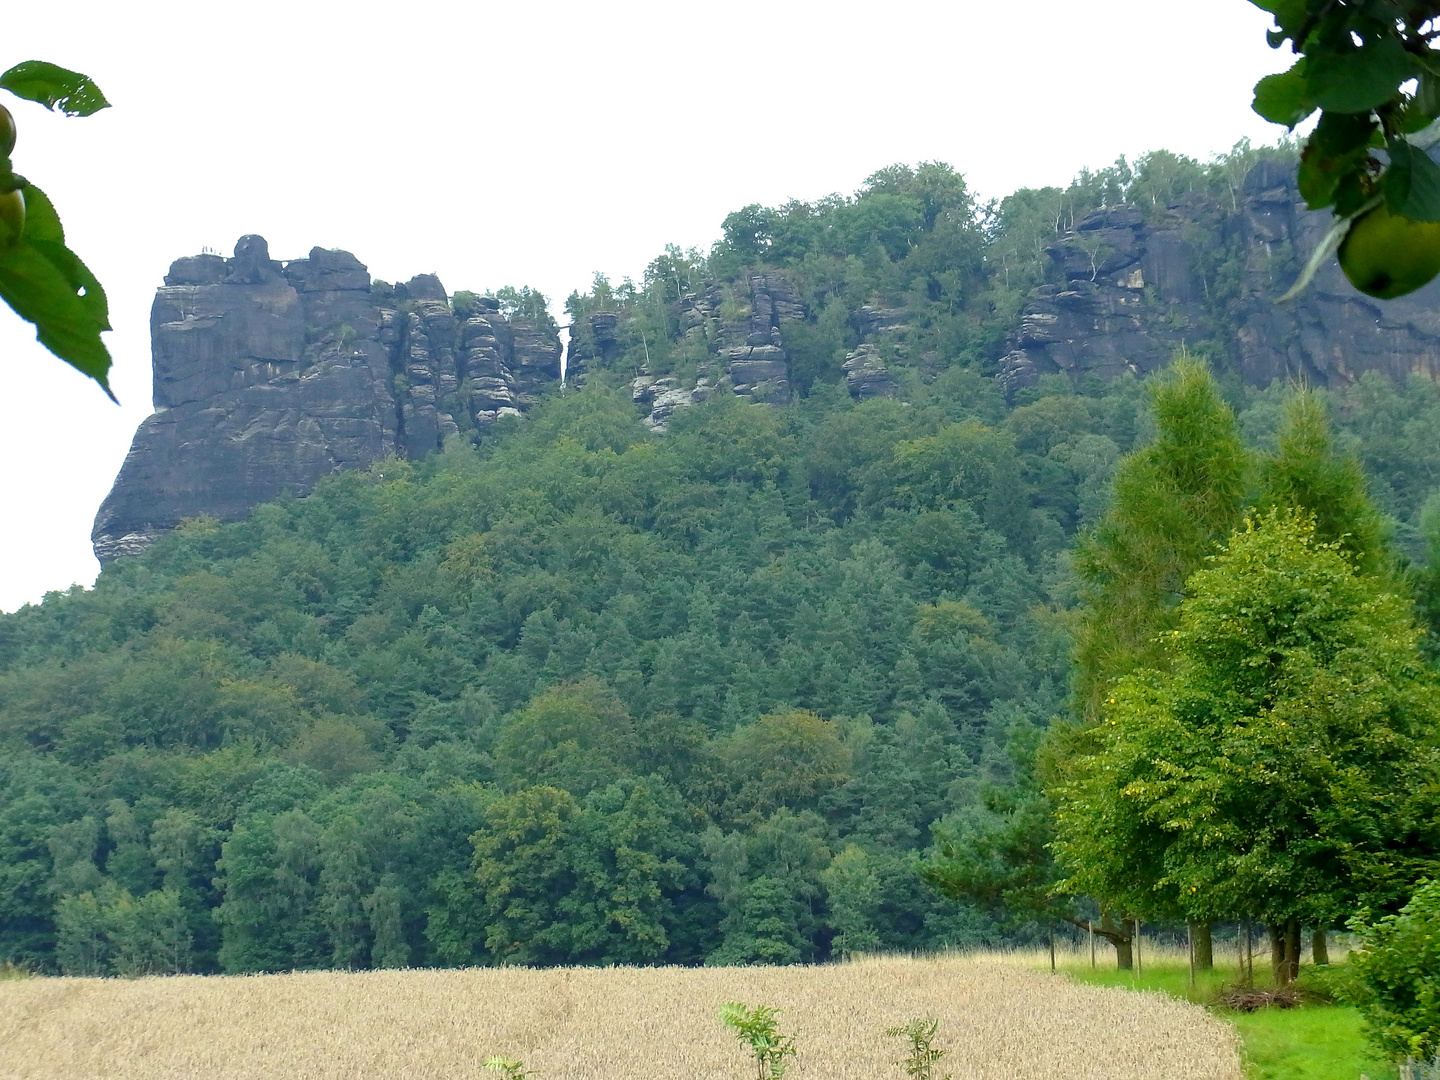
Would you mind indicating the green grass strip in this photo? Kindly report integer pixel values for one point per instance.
(1313, 1042)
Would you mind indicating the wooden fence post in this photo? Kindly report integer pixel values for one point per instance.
(1190, 941)
(1248, 963)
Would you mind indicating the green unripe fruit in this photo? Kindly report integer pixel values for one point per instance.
(7, 132)
(12, 217)
(1385, 255)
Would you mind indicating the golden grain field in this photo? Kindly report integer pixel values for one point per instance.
(997, 1020)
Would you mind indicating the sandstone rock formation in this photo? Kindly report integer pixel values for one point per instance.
(866, 375)
(663, 396)
(752, 347)
(1132, 288)
(268, 376)
(740, 327)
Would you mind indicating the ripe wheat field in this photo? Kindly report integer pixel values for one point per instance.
(998, 1020)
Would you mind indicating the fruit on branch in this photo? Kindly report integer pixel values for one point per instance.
(1386, 255)
(12, 217)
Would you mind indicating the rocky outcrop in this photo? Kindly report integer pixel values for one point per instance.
(268, 376)
(1128, 297)
(880, 323)
(740, 328)
(752, 346)
(866, 375)
(664, 396)
(1332, 333)
(1130, 288)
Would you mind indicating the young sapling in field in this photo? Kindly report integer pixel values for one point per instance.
(758, 1030)
(920, 1062)
(512, 1068)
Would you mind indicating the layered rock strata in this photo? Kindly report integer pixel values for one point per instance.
(866, 374)
(270, 375)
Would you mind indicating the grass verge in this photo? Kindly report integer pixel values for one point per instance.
(1313, 1042)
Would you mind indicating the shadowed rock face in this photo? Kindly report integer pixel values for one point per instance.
(1132, 288)
(269, 376)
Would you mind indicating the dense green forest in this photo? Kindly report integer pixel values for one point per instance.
(585, 693)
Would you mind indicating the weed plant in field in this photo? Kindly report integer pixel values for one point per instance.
(510, 1068)
(758, 1029)
(920, 1062)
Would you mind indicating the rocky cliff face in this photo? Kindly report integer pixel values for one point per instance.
(1131, 287)
(268, 376)
(1127, 288)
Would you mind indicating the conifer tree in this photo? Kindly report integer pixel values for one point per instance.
(1307, 471)
(1174, 503)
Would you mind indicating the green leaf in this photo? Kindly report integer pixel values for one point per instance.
(1412, 183)
(47, 284)
(54, 87)
(1290, 15)
(43, 229)
(1356, 80)
(1427, 95)
(1282, 9)
(1339, 147)
(1284, 98)
(1351, 194)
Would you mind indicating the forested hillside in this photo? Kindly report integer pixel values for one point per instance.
(913, 266)
(593, 692)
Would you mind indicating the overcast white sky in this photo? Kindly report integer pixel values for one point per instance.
(534, 143)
